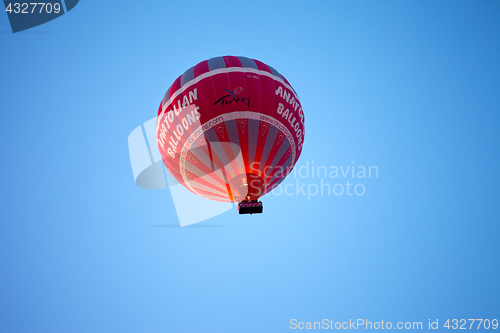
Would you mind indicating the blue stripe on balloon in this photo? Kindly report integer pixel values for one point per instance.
(246, 62)
(275, 72)
(166, 97)
(187, 76)
(216, 63)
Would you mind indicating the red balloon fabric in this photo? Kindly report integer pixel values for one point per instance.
(230, 128)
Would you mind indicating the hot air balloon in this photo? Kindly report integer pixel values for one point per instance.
(230, 129)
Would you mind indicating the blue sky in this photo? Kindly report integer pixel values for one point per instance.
(411, 87)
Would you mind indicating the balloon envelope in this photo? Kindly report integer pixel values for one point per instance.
(230, 128)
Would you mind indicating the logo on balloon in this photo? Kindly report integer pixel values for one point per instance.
(26, 15)
(233, 98)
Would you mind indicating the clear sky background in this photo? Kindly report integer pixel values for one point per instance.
(411, 87)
